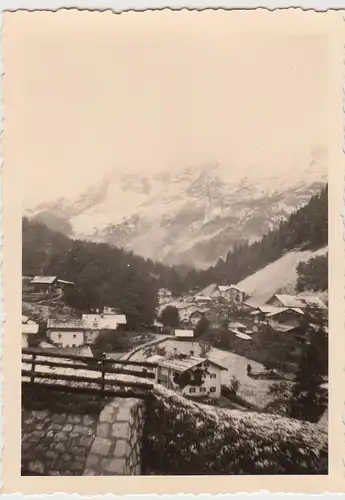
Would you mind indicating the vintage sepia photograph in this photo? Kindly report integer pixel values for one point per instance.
(174, 247)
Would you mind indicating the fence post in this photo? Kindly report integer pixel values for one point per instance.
(33, 367)
(102, 374)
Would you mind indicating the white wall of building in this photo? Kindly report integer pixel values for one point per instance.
(66, 338)
(211, 386)
(182, 347)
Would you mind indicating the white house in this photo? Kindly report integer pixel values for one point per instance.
(28, 328)
(164, 295)
(66, 333)
(184, 333)
(94, 323)
(183, 345)
(91, 321)
(103, 321)
(112, 321)
(190, 376)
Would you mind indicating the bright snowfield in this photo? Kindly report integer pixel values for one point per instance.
(278, 276)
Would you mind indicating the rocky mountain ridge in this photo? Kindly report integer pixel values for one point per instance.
(189, 216)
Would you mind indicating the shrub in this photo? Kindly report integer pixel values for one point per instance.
(182, 437)
(234, 384)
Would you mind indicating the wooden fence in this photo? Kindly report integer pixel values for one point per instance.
(61, 372)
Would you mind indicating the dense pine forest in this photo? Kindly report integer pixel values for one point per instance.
(305, 229)
(106, 275)
(103, 275)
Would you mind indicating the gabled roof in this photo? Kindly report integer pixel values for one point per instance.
(44, 280)
(236, 325)
(243, 336)
(103, 321)
(184, 333)
(284, 309)
(281, 327)
(208, 290)
(64, 282)
(25, 319)
(294, 301)
(180, 364)
(268, 309)
(76, 324)
(313, 301)
(111, 321)
(287, 300)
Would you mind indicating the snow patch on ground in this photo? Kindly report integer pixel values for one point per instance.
(278, 275)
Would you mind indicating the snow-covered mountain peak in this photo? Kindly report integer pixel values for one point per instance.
(192, 214)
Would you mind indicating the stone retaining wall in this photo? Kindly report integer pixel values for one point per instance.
(79, 435)
(116, 449)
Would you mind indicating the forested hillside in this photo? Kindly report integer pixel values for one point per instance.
(103, 275)
(306, 228)
(106, 275)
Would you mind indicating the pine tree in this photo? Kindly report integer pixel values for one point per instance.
(201, 327)
(308, 398)
(170, 316)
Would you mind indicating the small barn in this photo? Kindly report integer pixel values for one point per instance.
(44, 284)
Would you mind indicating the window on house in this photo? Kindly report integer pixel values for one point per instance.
(213, 389)
(191, 353)
(192, 389)
(59, 336)
(202, 389)
(203, 376)
(74, 336)
(213, 375)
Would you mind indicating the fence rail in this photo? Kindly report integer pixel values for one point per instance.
(79, 374)
(51, 354)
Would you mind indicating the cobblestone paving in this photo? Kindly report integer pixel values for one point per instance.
(68, 435)
(56, 444)
(58, 431)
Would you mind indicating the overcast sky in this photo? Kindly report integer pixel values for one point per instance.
(112, 93)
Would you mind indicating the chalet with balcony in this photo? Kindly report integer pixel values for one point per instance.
(189, 375)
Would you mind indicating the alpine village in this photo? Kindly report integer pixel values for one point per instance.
(131, 366)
